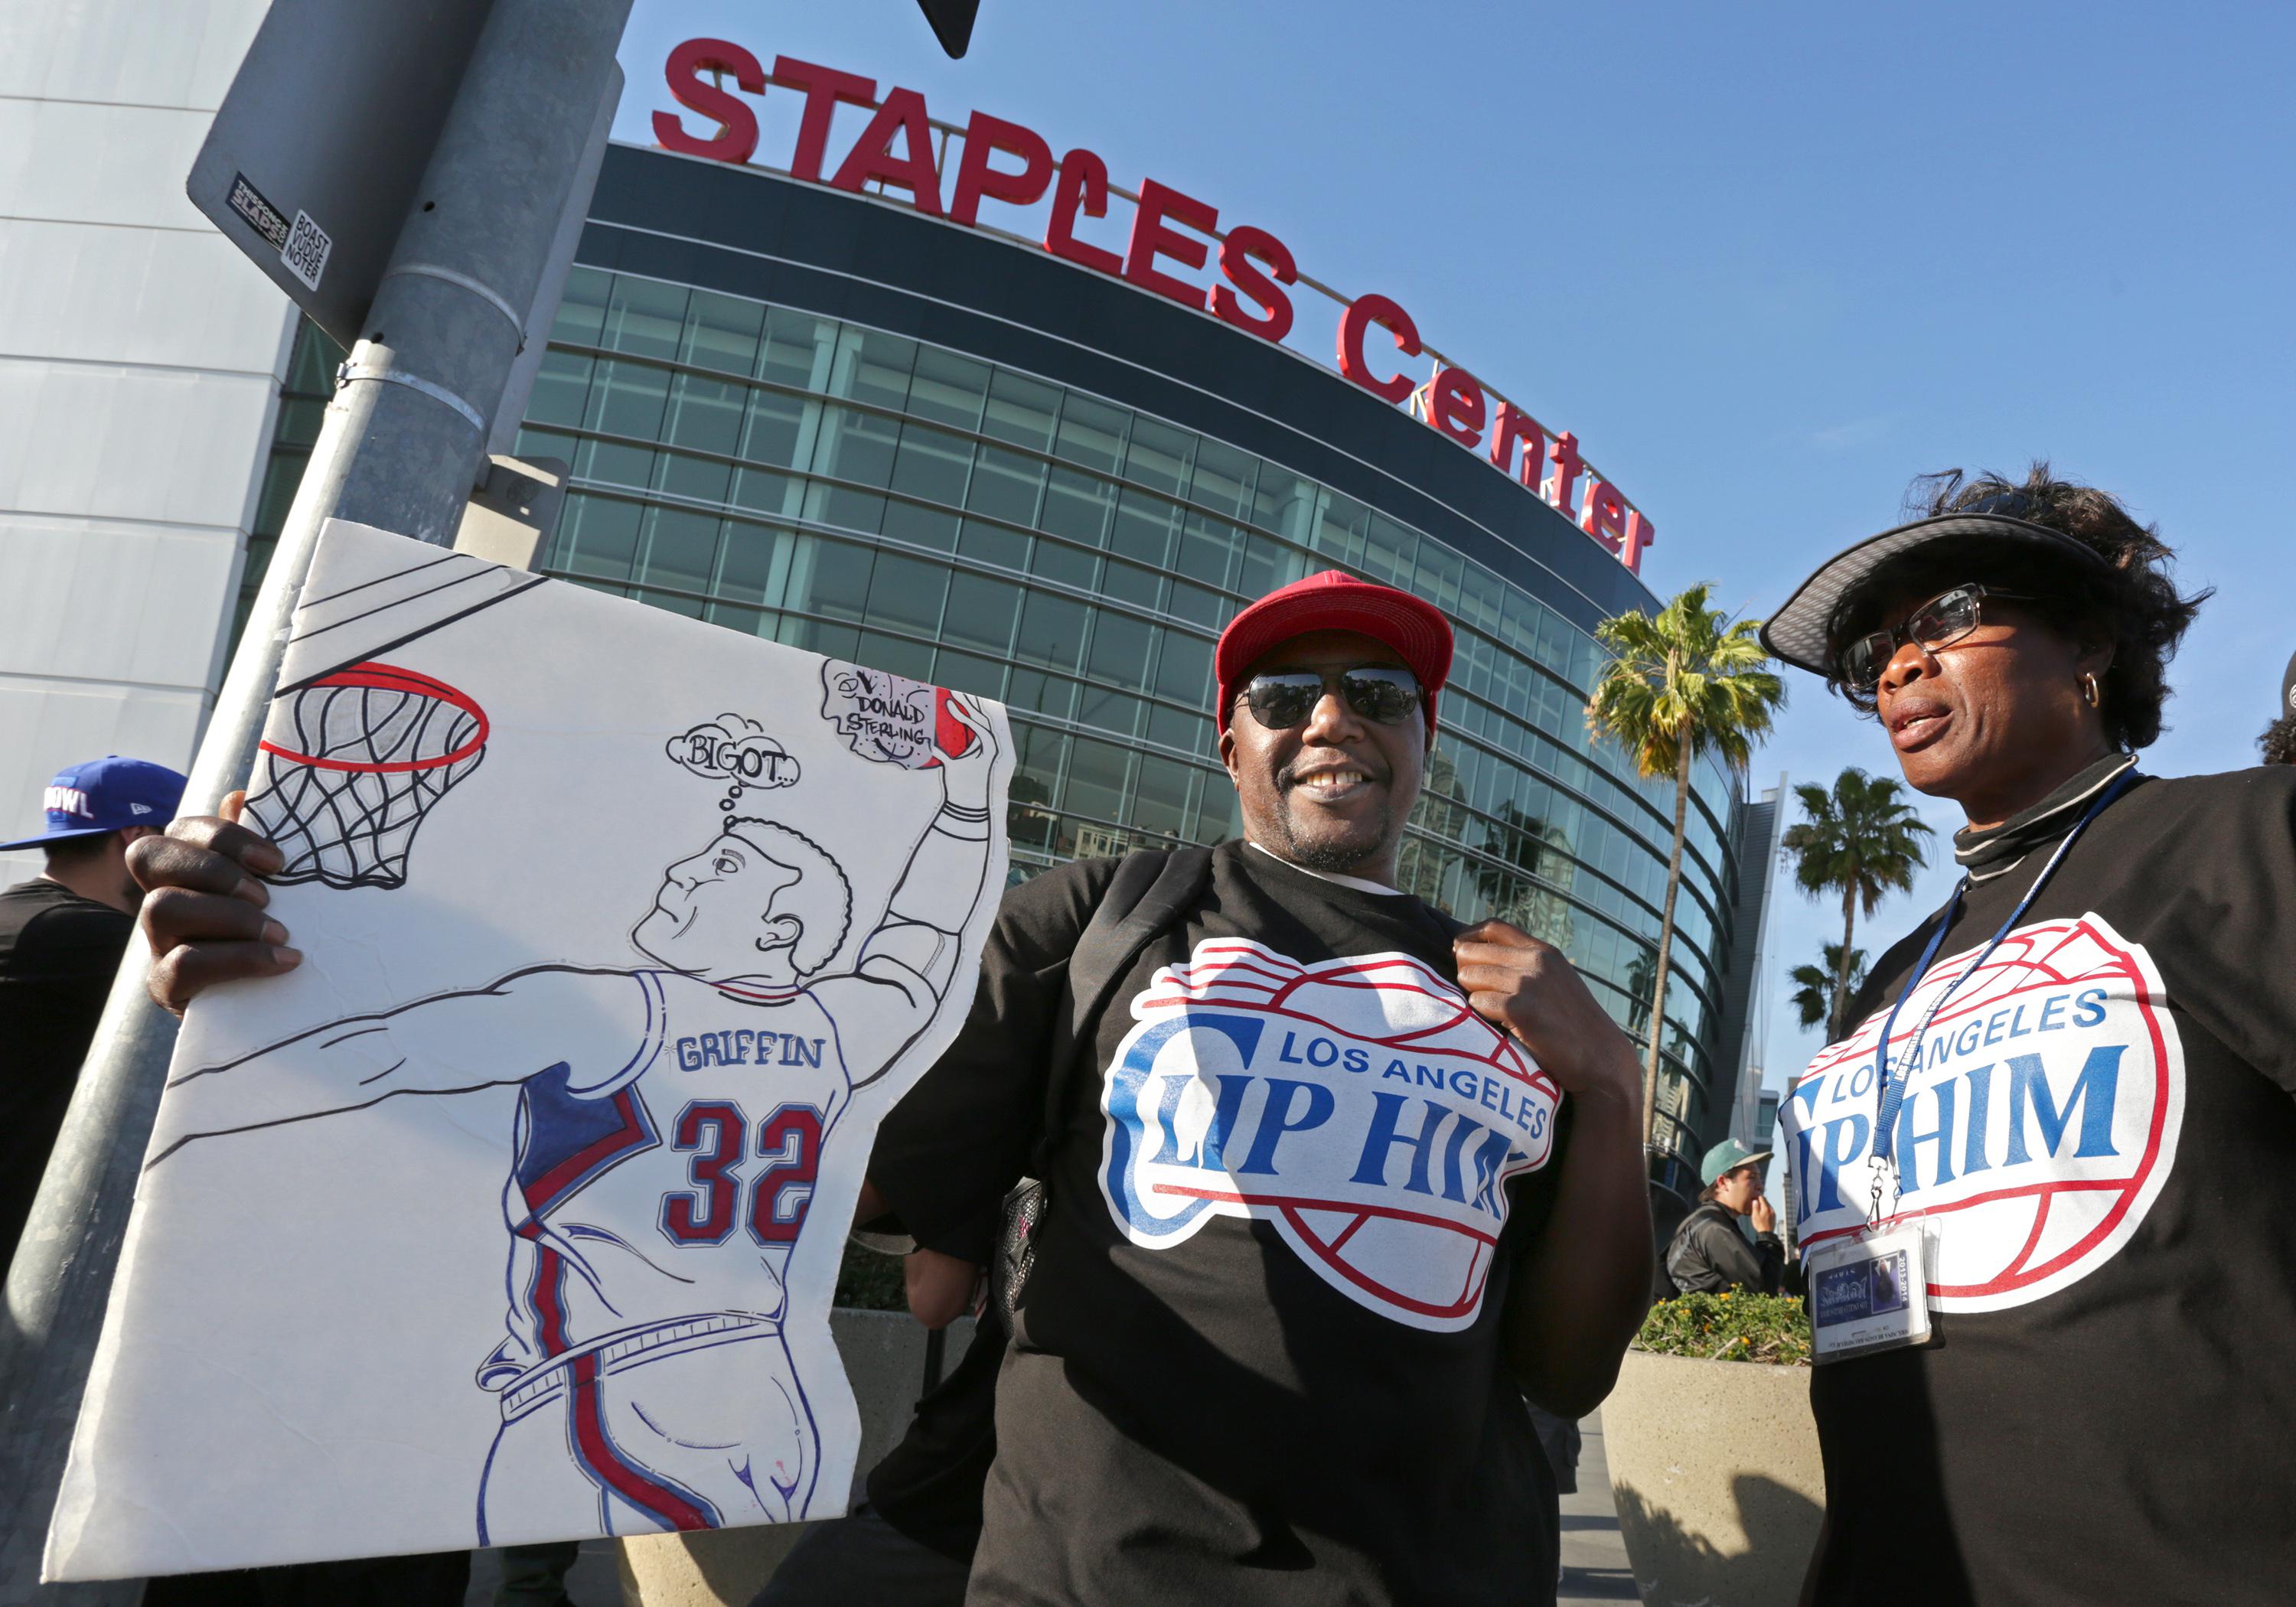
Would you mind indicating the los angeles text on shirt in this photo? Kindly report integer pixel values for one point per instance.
(2039, 1119)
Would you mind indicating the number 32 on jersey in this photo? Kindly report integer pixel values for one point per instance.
(770, 1199)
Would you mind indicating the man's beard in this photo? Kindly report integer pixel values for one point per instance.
(1335, 858)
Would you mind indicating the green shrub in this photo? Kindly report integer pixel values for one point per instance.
(1732, 1327)
(871, 1280)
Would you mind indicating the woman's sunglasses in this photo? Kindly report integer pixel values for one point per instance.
(1381, 693)
(1941, 622)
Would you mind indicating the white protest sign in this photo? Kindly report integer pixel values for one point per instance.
(513, 1214)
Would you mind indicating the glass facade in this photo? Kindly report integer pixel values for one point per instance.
(913, 508)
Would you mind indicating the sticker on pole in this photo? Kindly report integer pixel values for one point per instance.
(262, 216)
(306, 250)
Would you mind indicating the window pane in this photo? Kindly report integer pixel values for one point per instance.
(1051, 694)
(906, 593)
(1339, 529)
(932, 464)
(560, 388)
(645, 318)
(856, 446)
(1159, 456)
(920, 526)
(1284, 503)
(1184, 670)
(706, 413)
(1092, 433)
(899, 656)
(1119, 650)
(1021, 411)
(829, 578)
(1077, 507)
(1159, 802)
(582, 307)
(1219, 815)
(627, 399)
(1143, 527)
(980, 614)
(1208, 547)
(767, 492)
(848, 510)
(1005, 485)
(608, 464)
(1199, 607)
(1187, 732)
(1222, 479)
(681, 549)
(1064, 564)
(702, 478)
(1109, 712)
(1098, 773)
(721, 332)
(969, 672)
(745, 560)
(777, 428)
(1052, 631)
(873, 367)
(1142, 588)
(604, 535)
(1388, 550)
(993, 544)
(947, 389)
(797, 348)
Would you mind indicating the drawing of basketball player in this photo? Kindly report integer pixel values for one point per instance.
(670, 1129)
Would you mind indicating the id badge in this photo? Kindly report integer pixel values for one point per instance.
(1870, 1294)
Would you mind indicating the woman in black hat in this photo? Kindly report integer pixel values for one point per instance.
(2069, 1102)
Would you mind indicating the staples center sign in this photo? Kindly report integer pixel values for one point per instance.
(1170, 229)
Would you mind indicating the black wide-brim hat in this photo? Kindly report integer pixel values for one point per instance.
(1797, 632)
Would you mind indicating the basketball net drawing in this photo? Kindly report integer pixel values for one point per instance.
(358, 751)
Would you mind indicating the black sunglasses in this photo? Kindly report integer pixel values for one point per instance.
(1381, 693)
(1941, 622)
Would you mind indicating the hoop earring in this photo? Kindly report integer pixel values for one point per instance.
(2090, 694)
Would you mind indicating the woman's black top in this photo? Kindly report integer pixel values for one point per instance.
(2100, 1127)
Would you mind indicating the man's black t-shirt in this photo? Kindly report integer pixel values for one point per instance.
(58, 955)
(2101, 1132)
(1258, 1359)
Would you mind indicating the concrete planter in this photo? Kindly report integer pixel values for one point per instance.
(884, 1354)
(1715, 1470)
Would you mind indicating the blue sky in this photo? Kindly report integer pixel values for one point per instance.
(1768, 264)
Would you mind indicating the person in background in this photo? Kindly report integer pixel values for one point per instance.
(61, 935)
(1707, 1253)
(2278, 743)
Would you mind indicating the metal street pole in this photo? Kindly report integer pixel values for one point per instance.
(402, 447)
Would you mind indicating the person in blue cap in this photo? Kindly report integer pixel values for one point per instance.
(61, 935)
(1709, 1254)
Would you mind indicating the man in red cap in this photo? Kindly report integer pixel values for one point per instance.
(1313, 1224)
(1332, 1183)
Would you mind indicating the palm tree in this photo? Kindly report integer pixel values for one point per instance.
(1681, 684)
(1812, 997)
(1862, 839)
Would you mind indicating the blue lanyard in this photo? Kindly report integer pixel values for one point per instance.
(1891, 1090)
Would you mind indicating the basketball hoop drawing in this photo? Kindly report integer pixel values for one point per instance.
(372, 748)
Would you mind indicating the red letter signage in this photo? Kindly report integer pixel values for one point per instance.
(1153, 238)
(1082, 185)
(872, 156)
(1515, 425)
(737, 131)
(1566, 465)
(824, 87)
(1235, 254)
(1362, 312)
(984, 137)
(1454, 406)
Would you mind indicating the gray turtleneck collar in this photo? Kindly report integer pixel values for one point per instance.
(1988, 853)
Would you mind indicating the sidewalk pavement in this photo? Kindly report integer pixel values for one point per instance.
(1594, 1553)
(1594, 1556)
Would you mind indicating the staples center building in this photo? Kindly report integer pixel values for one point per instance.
(834, 405)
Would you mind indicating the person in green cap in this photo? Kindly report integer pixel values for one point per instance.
(1709, 1254)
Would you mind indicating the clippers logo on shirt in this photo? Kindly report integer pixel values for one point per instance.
(2037, 1126)
(1360, 1105)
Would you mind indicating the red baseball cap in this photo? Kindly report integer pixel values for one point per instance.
(1332, 601)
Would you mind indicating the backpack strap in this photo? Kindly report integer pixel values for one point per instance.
(1152, 889)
